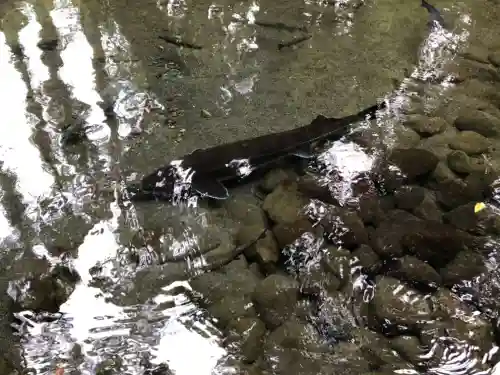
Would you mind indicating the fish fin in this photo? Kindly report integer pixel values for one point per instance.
(209, 187)
(303, 154)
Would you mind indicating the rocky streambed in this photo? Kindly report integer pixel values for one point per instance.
(401, 277)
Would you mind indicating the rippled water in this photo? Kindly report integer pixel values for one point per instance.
(115, 307)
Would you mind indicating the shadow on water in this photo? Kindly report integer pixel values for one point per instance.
(377, 260)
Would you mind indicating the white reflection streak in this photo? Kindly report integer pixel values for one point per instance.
(77, 70)
(28, 38)
(17, 153)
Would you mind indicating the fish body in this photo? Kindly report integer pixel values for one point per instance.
(205, 171)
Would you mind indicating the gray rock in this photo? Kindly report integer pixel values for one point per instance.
(459, 162)
(387, 237)
(337, 261)
(231, 307)
(368, 259)
(396, 304)
(276, 297)
(478, 121)
(419, 201)
(416, 271)
(343, 227)
(276, 177)
(426, 126)
(285, 204)
(470, 142)
(315, 280)
(409, 347)
(294, 334)
(426, 240)
(465, 266)
(248, 335)
(287, 233)
(494, 58)
(265, 252)
(405, 160)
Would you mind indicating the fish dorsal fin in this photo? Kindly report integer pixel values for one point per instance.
(208, 187)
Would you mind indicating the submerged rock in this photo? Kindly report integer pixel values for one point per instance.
(247, 334)
(285, 204)
(397, 306)
(465, 266)
(427, 241)
(406, 160)
(275, 298)
(470, 142)
(426, 126)
(478, 121)
(413, 270)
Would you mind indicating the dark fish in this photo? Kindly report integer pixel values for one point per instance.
(204, 172)
(434, 15)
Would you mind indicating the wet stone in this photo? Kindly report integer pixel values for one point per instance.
(231, 307)
(368, 259)
(343, 227)
(414, 270)
(285, 204)
(426, 241)
(267, 252)
(275, 298)
(248, 335)
(372, 208)
(287, 233)
(315, 280)
(463, 217)
(395, 304)
(406, 159)
(294, 334)
(275, 178)
(459, 162)
(246, 210)
(453, 193)
(465, 266)
(408, 347)
(470, 142)
(337, 261)
(387, 237)
(494, 58)
(426, 126)
(478, 121)
(376, 350)
(311, 188)
(419, 201)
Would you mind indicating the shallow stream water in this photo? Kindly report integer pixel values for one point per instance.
(91, 97)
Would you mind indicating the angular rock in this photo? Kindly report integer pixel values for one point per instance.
(285, 204)
(368, 259)
(275, 298)
(470, 142)
(294, 334)
(478, 121)
(465, 266)
(371, 209)
(395, 304)
(459, 162)
(287, 233)
(337, 261)
(419, 201)
(276, 177)
(426, 126)
(265, 251)
(387, 237)
(406, 161)
(343, 227)
(231, 307)
(414, 270)
(410, 348)
(248, 335)
(427, 240)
